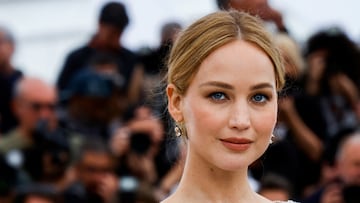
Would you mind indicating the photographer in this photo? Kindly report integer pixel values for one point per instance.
(33, 100)
(346, 186)
(37, 148)
(145, 156)
(144, 134)
(87, 91)
(96, 179)
(48, 159)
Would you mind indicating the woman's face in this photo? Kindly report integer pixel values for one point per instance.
(230, 107)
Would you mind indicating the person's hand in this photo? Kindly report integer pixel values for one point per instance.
(286, 108)
(143, 166)
(346, 87)
(262, 9)
(152, 126)
(343, 85)
(332, 194)
(269, 14)
(119, 142)
(108, 188)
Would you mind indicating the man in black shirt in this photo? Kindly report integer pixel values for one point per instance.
(8, 77)
(113, 20)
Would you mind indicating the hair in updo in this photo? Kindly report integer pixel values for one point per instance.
(209, 33)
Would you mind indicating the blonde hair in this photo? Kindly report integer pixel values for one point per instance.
(291, 53)
(209, 33)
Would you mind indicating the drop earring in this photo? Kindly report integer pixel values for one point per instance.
(178, 131)
(271, 138)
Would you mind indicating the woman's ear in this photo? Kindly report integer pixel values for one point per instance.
(174, 103)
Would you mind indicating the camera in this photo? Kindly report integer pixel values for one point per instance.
(49, 145)
(351, 193)
(140, 143)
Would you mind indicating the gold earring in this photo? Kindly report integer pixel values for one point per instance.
(178, 131)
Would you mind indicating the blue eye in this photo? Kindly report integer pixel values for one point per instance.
(217, 96)
(259, 98)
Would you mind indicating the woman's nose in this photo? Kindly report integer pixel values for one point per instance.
(240, 116)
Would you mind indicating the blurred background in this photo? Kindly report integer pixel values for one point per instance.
(45, 30)
(79, 120)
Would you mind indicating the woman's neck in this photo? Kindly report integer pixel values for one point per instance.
(203, 182)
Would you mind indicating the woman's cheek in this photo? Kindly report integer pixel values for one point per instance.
(265, 121)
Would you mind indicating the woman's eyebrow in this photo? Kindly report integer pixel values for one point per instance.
(217, 84)
(262, 86)
(228, 86)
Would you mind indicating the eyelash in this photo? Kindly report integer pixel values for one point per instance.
(264, 98)
(214, 96)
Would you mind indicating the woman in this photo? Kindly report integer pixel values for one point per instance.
(223, 77)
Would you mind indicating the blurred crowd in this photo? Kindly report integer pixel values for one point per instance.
(101, 133)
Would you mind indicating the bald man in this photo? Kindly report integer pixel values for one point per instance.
(348, 160)
(34, 100)
(347, 166)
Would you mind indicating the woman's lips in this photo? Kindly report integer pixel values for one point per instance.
(236, 144)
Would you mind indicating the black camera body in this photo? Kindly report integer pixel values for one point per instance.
(140, 143)
(50, 143)
(351, 193)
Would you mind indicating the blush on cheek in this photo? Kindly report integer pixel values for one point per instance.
(265, 124)
(199, 117)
